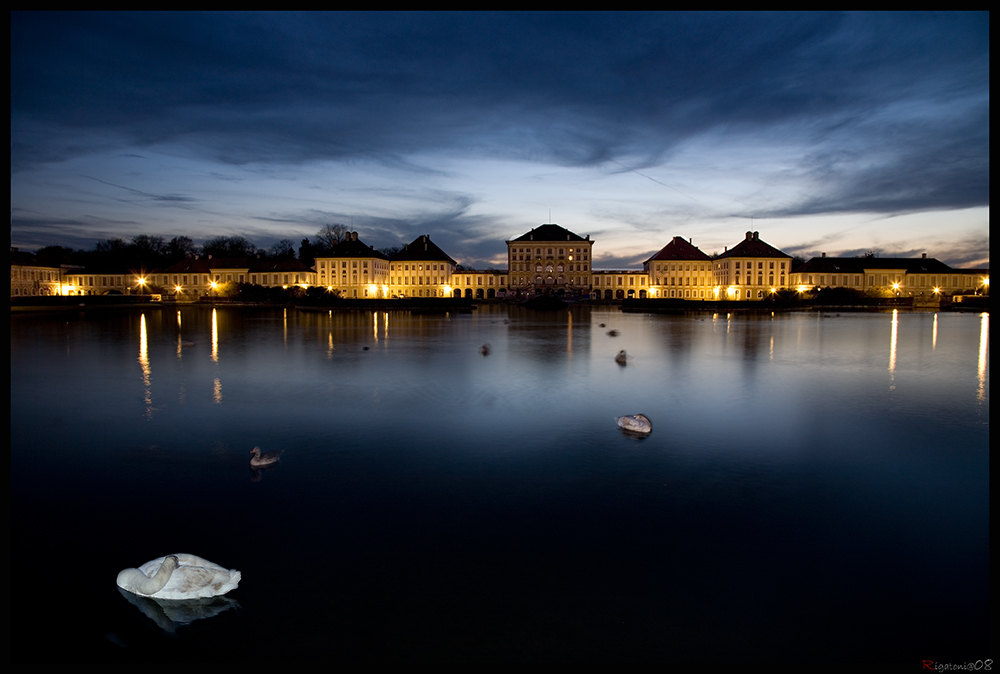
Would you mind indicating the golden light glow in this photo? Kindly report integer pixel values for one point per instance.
(731, 292)
(177, 289)
(937, 291)
(801, 289)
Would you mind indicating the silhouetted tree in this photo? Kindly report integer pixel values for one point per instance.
(307, 253)
(179, 248)
(284, 248)
(330, 235)
(229, 246)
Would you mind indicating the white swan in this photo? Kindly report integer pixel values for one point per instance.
(179, 576)
(635, 423)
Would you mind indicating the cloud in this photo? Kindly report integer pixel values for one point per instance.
(871, 113)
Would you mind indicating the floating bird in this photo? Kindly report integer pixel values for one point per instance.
(260, 460)
(612, 333)
(485, 349)
(621, 357)
(179, 576)
(635, 423)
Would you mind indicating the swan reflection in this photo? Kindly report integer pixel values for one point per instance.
(169, 614)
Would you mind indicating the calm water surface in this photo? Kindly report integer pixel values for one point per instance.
(816, 486)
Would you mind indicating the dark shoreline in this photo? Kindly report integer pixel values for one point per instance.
(466, 305)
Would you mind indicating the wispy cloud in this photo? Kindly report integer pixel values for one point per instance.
(715, 116)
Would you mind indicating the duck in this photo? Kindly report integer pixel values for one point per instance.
(612, 333)
(485, 349)
(259, 460)
(621, 358)
(635, 423)
(181, 576)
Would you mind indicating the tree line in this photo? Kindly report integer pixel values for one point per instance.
(147, 252)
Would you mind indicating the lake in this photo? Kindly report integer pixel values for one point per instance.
(815, 487)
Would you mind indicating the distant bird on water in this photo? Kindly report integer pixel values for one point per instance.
(260, 460)
(621, 358)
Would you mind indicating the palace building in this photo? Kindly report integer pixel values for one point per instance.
(680, 270)
(548, 259)
(907, 276)
(750, 270)
(354, 270)
(421, 269)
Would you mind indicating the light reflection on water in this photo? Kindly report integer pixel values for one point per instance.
(804, 470)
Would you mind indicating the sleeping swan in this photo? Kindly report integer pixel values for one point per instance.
(179, 576)
(635, 423)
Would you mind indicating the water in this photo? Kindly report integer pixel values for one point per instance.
(816, 486)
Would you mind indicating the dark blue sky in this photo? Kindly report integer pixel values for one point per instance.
(825, 132)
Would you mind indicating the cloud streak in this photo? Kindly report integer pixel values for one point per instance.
(871, 113)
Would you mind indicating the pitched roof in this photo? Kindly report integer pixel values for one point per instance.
(353, 247)
(205, 265)
(752, 246)
(422, 248)
(550, 233)
(679, 249)
(858, 265)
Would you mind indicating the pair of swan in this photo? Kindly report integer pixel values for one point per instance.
(181, 576)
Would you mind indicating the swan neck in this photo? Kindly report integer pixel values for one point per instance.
(136, 581)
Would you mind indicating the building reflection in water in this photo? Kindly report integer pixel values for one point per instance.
(147, 389)
(984, 345)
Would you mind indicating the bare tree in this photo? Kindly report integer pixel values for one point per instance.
(229, 246)
(330, 235)
(284, 248)
(180, 247)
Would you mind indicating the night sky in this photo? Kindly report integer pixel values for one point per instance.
(840, 133)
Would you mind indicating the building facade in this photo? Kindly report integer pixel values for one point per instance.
(750, 270)
(354, 270)
(31, 278)
(680, 270)
(421, 269)
(901, 276)
(548, 259)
